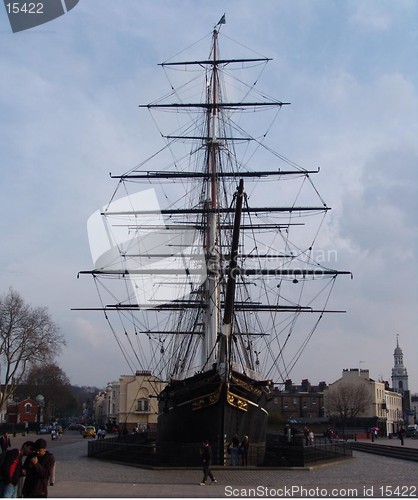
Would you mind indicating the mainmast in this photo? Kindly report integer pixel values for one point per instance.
(213, 258)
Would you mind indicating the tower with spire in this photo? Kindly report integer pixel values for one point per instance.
(399, 372)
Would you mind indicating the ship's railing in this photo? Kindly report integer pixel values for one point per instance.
(188, 373)
(234, 366)
(250, 373)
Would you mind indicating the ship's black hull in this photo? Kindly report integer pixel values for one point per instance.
(205, 407)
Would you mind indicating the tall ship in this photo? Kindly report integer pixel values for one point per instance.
(205, 258)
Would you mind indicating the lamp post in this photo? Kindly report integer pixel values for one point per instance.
(41, 402)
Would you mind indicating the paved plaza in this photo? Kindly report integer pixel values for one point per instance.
(362, 476)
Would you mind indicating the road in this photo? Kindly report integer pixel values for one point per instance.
(362, 476)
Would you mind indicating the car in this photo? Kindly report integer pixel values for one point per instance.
(411, 430)
(89, 431)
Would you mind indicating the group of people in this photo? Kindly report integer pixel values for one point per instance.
(237, 449)
(26, 472)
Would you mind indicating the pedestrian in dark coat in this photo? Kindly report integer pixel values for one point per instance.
(206, 461)
(5, 444)
(38, 469)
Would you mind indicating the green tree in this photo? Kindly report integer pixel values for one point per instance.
(28, 336)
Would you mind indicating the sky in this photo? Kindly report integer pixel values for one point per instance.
(69, 96)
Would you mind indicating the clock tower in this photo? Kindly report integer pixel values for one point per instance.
(399, 373)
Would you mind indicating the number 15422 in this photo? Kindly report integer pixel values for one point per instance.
(25, 8)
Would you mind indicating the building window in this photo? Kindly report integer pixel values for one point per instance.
(142, 405)
(28, 408)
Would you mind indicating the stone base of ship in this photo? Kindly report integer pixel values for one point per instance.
(205, 407)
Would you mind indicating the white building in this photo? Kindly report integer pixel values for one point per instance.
(99, 408)
(385, 405)
(138, 404)
(131, 402)
(111, 407)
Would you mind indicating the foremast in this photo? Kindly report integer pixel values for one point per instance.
(226, 334)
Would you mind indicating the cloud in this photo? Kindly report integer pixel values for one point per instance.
(372, 16)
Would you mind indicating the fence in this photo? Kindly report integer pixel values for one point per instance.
(143, 450)
(280, 452)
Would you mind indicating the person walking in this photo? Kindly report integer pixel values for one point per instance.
(401, 434)
(206, 462)
(11, 469)
(38, 469)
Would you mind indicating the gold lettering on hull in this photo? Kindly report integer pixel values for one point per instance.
(207, 400)
(237, 401)
(250, 388)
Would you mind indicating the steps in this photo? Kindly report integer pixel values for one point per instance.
(387, 451)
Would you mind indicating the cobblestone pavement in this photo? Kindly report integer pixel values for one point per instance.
(362, 476)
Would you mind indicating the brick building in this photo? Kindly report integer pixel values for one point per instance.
(302, 403)
(27, 410)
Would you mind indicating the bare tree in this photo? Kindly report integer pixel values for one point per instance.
(346, 401)
(27, 336)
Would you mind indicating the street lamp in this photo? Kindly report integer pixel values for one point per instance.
(41, 403)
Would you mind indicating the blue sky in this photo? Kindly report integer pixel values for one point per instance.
(69, 99)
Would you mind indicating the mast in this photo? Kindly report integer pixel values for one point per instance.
(225, 345)
(212, 311)
(232, 272)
